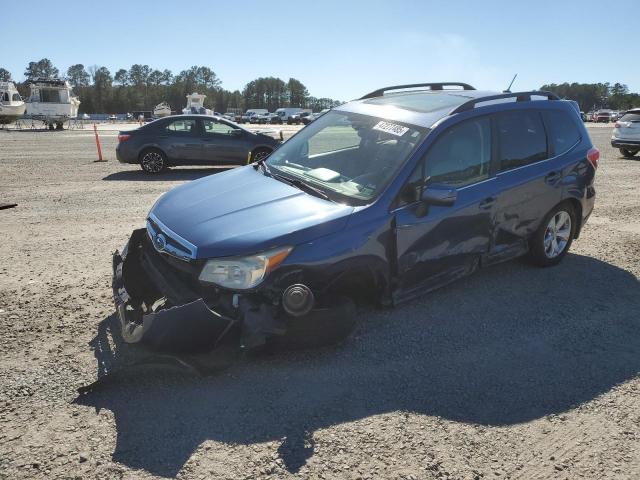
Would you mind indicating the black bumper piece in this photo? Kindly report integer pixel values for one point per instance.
(189, 327)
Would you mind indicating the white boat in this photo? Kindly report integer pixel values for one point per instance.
(12, 106)
(162, 110)
(195, 105)
(52, 101)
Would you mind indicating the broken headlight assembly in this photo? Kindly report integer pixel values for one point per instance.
(242, 273)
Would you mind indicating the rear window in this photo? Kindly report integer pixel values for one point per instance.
(561, 130)
(631, 117)
(522, 139)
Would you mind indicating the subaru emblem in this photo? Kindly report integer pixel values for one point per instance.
(160, 242)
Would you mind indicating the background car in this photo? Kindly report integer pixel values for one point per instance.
(314, 116)
(191, 140)
(246, 117)
(626, 134)
(602, 116)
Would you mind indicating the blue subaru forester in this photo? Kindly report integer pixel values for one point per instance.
(386, 197)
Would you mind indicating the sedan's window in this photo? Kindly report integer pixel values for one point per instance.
(562, 131)
(213, 127)
(522, 139)
(182, 126)
(461, 155)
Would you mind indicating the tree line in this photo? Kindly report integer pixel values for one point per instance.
(142, 87)
(594, 96)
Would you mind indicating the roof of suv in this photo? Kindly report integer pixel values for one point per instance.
(426, 107)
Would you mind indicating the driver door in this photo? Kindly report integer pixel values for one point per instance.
(438, 244)
(223, 143)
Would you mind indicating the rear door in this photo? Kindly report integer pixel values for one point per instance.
(436, 246)
(223, 143)
(180, 141)
(529, 182)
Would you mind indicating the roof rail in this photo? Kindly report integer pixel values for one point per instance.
(519, 96)
(432, 86)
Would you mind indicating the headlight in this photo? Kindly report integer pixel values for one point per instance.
(242, 273)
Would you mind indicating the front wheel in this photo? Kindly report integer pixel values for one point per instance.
(153, 161)
(626, 153)
(259, 154)
(552, 240)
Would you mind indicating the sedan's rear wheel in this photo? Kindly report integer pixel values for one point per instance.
(553, 238)
(626, 153)
(153, 161)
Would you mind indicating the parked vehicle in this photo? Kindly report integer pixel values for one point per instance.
(626, 133)
(388, 196)
(191, 140)
(298, 118)
(195, 105)
(286, 114)
(250, 113)
(314, 116)
(602, 116)
(265, 118)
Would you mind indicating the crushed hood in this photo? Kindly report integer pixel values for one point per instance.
(242, 211)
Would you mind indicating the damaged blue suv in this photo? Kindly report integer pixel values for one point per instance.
(395, 194)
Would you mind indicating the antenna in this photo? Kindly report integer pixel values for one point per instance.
(508, 90)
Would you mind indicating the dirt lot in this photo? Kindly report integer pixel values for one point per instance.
(515, 372)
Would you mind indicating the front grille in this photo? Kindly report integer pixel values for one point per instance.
(164, 240)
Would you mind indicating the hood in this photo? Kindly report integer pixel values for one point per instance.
(242, 211)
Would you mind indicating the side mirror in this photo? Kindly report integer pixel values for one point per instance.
(439, 196)
(236, 132)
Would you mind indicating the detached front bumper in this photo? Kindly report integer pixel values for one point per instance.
(147, 317)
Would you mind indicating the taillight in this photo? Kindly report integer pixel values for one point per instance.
(593, 155)
(123, 137)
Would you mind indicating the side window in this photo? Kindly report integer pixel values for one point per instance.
(181, 127)
(461, 155)
(522, 139)
(211, 127)
(562, 131)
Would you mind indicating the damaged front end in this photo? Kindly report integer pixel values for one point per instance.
(161, 304)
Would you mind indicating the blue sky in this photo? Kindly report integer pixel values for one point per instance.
(338, 49)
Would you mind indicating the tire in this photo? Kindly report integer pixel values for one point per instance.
(153, 161)
(259, 154)
(626, 153)
(552, 240)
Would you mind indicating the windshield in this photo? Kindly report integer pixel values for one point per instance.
(354, 156)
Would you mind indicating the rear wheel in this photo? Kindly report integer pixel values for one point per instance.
(552, 240)
(626, 153)
(259, 154)
(153, 161)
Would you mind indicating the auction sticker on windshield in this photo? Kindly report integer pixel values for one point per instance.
(392, 128)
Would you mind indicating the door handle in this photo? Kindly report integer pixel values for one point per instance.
(552, 178)
(487, 203)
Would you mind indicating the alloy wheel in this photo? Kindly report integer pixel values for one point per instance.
(152, 162)
(557, 233)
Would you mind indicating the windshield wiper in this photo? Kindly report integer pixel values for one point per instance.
(263, 164)
(302, 186)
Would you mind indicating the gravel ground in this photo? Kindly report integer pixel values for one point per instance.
(514, 372)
